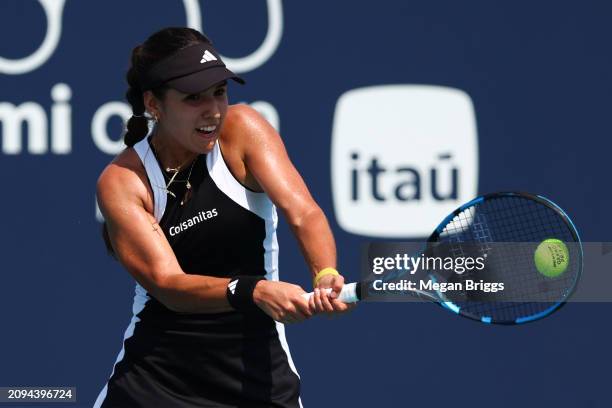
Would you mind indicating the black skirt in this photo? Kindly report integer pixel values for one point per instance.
(202, 360)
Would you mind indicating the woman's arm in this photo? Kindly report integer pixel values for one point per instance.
(142, 248)
(266, 158)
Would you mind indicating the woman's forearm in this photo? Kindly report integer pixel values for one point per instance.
(186, 293)
(315, 239)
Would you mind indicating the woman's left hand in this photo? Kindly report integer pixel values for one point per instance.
(321, 302)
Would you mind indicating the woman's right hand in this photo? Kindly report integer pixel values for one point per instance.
(282, 301)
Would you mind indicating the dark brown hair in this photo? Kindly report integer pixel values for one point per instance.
(144, 56)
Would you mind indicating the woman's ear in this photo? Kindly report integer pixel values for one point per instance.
(151, 104)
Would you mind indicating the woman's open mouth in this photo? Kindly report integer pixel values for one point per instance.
(206, 130)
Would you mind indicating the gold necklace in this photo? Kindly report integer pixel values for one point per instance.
(188, 186)
(188, 192)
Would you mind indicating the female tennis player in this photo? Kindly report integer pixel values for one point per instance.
(190, 210)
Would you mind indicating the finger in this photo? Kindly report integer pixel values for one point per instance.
(325, 301)
(311, 304)
(339, 306)
(304, 309)
(293, 311)
(336, 285)
(317, 300)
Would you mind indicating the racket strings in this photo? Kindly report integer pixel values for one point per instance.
(525, 223)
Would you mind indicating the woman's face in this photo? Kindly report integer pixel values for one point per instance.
(193, 121)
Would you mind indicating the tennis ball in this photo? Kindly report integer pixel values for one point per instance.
(551, 257)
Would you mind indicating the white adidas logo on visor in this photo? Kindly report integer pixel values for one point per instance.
(207, 57)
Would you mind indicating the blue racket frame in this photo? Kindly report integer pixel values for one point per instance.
(449, 305)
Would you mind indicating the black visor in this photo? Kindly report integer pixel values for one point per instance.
(190, 70)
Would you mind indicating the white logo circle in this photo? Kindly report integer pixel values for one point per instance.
(54, 11)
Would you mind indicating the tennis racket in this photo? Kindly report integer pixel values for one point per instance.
(480, 225)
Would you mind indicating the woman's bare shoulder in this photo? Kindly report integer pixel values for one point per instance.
(243, 116)
(124, 177)
(245, 127)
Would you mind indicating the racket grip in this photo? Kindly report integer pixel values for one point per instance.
(348, 294)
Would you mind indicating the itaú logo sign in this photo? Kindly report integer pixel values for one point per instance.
(51, 130)
(403, 157)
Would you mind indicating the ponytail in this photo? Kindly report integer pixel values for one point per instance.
(137, 125)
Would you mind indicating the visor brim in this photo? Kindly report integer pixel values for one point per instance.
(202, 80)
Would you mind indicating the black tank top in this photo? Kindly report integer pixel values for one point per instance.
(223, 229)
(210, 233)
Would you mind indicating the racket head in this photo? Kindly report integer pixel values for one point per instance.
(509, 217)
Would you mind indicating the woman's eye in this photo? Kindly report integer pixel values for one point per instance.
(220, 92)
(194, 97)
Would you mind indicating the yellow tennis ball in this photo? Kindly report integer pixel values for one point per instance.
(551, 257)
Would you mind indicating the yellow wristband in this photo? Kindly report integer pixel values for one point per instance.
(322, 273)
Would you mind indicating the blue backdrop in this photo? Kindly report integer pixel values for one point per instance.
(537, 74)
